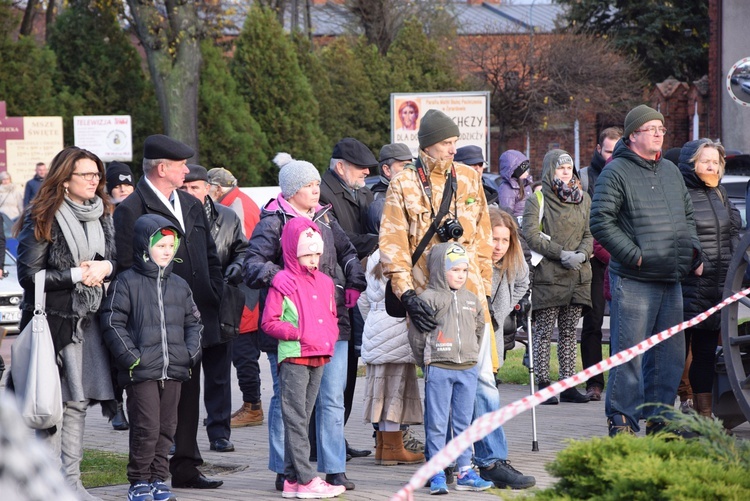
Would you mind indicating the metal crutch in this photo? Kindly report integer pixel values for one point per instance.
(530, 351)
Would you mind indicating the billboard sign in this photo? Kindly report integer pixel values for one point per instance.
(108, 137)
(470, 111)
(25, 141)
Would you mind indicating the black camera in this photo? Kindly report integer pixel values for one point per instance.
(451, 229)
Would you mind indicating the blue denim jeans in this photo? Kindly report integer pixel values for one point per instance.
(448, 392)
(329, 413)
(638, 311)
(494, 446)
(275, 422)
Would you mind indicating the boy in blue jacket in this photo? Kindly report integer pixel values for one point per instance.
(153, 329)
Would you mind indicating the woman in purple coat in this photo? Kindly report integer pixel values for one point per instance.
(512, 188)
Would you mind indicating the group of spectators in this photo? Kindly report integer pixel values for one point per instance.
(321, 270)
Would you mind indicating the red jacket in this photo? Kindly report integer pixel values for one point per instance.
(305, 322)
(249, 215)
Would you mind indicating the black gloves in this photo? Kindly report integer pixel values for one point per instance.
(420, 313)
(233, 275)
(523, 305)
(522, 310)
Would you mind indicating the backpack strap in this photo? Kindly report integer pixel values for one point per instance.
(540, 199)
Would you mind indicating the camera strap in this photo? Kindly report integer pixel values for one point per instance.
(448, 193)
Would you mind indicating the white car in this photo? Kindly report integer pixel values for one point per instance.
(10, 296)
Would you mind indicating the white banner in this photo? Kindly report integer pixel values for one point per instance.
(108, 137)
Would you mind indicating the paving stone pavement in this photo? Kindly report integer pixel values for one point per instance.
(246, 476)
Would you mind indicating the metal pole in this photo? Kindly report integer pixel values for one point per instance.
(530, 347)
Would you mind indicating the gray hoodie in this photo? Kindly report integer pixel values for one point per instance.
(455, 343)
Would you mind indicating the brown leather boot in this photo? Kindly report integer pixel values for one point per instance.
(393, 452)
(703, 403)
(378, 447)
(248, 415)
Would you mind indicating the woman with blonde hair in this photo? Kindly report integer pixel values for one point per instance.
(510, 273)
(68, 231)
(718, 224)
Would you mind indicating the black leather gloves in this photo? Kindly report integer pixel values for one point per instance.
(420, 313)
(233, 275)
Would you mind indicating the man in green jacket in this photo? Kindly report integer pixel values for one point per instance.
(643, 216)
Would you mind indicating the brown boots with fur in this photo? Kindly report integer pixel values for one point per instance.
(390, 450)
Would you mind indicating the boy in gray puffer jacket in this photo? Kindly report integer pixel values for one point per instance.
(449, 356)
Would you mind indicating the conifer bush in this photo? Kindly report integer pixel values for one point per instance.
(655, 467)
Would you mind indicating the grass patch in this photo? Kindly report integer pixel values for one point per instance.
(100, 468)
(514, 372)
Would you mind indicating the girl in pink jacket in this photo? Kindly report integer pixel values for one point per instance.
(307, 329)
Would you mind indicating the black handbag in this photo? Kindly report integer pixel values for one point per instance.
(230, 312)
(393, 305)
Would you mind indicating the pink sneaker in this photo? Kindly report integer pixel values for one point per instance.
(319, 489)
(290, 489)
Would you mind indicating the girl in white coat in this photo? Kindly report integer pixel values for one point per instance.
(391, 393)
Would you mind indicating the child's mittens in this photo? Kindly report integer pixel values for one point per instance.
(284, 283)
(351, 296)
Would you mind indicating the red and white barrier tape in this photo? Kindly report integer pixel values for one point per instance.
(487, 423)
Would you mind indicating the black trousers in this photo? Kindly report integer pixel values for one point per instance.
(217, 390)
(591, 333)
(187, 457)
(152, 410)
(245, 356)
(703, 342)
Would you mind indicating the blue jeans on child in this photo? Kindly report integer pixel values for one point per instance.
(448, 392)
(638, 311)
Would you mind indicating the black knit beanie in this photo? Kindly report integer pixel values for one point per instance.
(435, 127)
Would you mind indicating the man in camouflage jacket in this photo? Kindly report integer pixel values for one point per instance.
(407, 216)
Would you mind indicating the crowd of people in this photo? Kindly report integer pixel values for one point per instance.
(150, 283)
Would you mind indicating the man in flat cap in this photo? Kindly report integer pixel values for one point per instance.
(642, 215)
(393, 158)
(411, 205)
(164, 170)
(226, 230)
(224, 191)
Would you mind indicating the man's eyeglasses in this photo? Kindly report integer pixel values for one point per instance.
(653, 129)
(88, 176)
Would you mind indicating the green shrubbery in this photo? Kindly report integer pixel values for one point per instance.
(658, 467)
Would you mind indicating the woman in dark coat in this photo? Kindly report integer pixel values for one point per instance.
(718, 224)
(68, 232)
(300, 192)
(562, 278)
